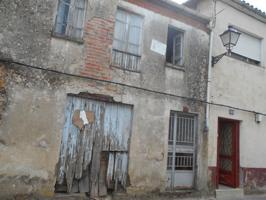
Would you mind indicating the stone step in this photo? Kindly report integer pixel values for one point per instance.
(229, 194)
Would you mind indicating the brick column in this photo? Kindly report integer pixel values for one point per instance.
(98, 47)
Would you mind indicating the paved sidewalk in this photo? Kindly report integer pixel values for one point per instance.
(247, 197)
(161, 197)
(255, 197)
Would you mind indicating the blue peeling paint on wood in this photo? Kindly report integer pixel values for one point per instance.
(112, 124)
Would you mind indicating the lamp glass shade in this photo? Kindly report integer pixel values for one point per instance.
(225, 37)
(230, 37)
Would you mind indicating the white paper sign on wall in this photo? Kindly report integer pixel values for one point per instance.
(158, 47)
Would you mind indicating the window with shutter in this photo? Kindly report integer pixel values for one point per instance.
(248, 49)
(127, 40)
(70, 18)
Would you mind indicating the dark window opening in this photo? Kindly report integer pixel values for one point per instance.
(174, 52)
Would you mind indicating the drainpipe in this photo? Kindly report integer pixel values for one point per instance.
(211, 26)
(207, 111)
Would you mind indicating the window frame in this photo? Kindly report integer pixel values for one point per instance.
(181, 55)
(127, 35)
(65, 35)
(127, 52)
(182, 47)
(244, 58)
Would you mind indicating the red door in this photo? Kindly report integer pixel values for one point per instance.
(228, 153)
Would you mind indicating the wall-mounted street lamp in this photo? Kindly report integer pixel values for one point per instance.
(229, 38)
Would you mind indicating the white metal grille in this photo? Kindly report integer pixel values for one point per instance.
(181, 147)
(184, 131)
(183, 161)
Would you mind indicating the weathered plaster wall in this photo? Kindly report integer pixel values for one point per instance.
(155, 75)
(3, 95)
(241, 85)
(29, 128)
(31, 139)
(33, 118)
(26, 26)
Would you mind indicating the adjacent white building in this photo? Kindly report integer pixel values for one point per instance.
(237, 127)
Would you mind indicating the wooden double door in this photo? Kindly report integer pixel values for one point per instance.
(94, 148)
(228, 153)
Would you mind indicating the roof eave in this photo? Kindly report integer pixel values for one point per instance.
(241, 6)
(188, 12)
(247, 9)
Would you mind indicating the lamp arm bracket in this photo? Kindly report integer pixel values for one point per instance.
(215, 59)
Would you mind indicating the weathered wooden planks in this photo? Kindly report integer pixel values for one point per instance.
(81, 161)
(103, 173)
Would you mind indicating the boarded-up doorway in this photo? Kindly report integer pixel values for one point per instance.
(94, 148)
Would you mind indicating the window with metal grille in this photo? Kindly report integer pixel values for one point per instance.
(70, 18)
(181, 130)
(127, 40)
(182, 161)
(175, 44)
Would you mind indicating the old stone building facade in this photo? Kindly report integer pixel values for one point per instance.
(101, 95)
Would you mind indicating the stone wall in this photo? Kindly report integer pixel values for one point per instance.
(34, 99)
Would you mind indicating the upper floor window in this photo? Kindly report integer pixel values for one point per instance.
(248, 49)
(175, 47)
(70, 18)
(127, 40)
